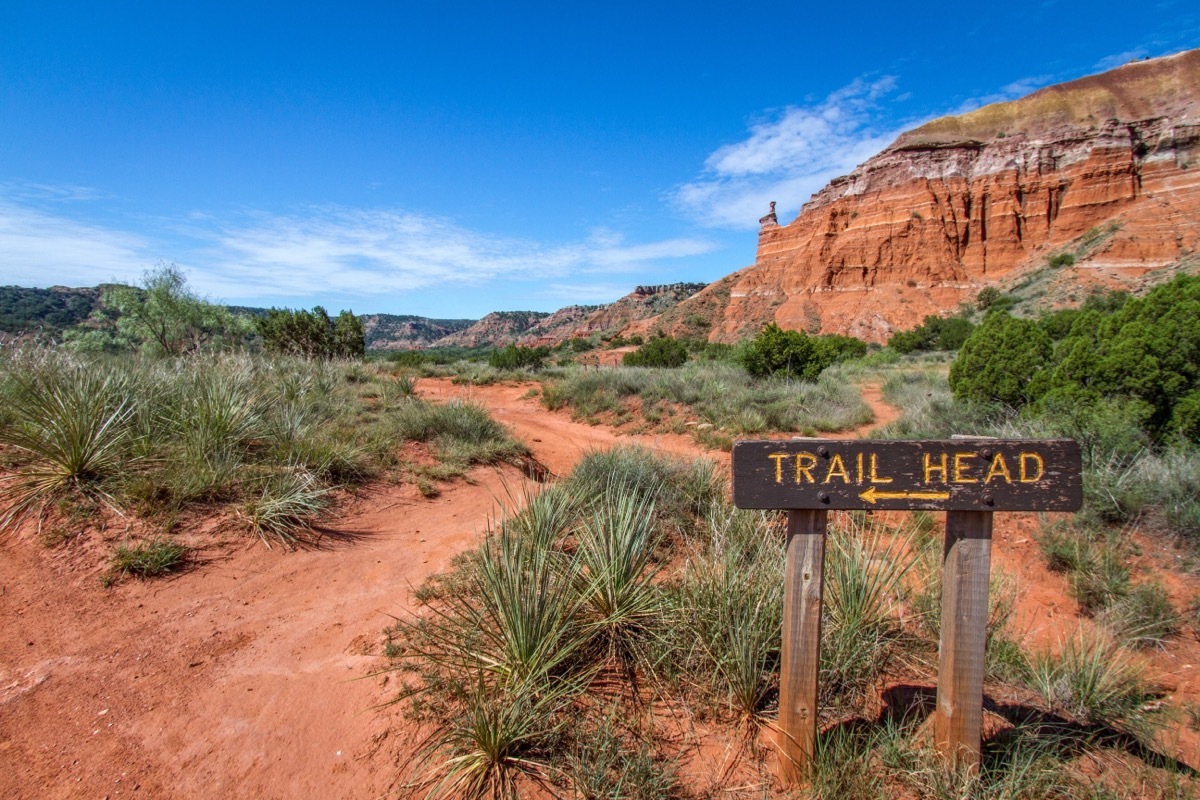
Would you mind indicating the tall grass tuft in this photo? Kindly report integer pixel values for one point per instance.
(865, 570)
(728, 609)
(72, 422)
(1095, 681)
(288, 502)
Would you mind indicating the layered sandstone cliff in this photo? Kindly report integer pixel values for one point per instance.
(1106, 169)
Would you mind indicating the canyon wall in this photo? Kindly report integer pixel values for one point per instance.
(1105, 170)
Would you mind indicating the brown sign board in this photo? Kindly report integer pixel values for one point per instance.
(954, 474)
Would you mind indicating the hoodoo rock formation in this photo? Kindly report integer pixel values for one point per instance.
(1105, 169)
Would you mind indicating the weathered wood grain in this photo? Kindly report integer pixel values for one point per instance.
(966, 570)
(801, 657)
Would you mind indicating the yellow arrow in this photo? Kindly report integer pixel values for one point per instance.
(873, 494)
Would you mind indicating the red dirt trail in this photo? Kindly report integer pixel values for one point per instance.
(250, 675)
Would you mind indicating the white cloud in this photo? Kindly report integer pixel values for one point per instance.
(313, 254)
(788, 157)
(350, 251)
(585, 293)
(39, 248)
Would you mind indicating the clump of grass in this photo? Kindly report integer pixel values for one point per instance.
(1144, 617)
(72, 423)
(463, 433)
(149, 558)
(1026, 761)
(287, 504)
(603, 763)
(844, 765)
(1097, 682)
(727, 610)
(715, 393)
(865, 571)
(497, 740)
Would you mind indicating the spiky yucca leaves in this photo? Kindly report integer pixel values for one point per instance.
(615, 549)
(728, 608)
(287, 504)
(543, 517)
(1097, 682)
(509, 612)
(865, 569)
(498, 737)
(72, 421)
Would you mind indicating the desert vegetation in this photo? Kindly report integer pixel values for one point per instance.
(607, 623)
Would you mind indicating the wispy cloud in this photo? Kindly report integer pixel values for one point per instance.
(788, 156)
(352, 251)
(792, 154)
(311, 254)
(40, 248)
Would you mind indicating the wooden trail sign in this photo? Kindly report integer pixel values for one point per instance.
(969, 478)
(958, 475)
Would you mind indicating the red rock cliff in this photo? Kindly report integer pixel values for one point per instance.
(1107, 167)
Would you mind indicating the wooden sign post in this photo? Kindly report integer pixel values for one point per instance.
(967, 478)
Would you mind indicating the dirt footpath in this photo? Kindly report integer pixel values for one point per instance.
(249, 675)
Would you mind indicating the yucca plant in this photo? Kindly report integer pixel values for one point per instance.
(287, 503)
(499, 737)
(615, 551)
(72, 422)
(512, 615)
(528, 614)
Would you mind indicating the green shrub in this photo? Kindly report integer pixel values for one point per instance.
(794, 354)
(935, 333)
(998, 360)
(1061, 260)
(312, 333)
(661, 351)
(514, 357)
(1146, 354)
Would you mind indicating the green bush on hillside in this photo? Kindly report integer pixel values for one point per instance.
(514, 357)
(935, 333)
(795, 354)
(1145, 354)
(312, 333)
(661, 351)
(163, 316)
(998, 360)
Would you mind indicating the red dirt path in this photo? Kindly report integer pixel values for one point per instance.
(250, 675)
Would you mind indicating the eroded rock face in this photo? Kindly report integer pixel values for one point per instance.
(1106, 168)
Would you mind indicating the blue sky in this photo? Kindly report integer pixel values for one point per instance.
(453, 159)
